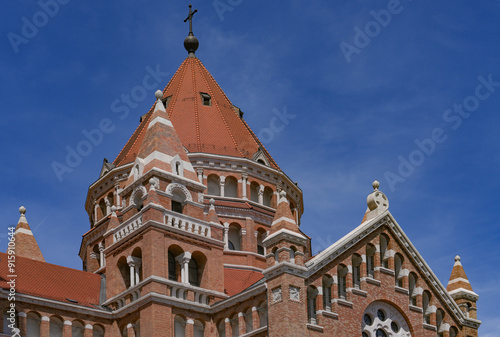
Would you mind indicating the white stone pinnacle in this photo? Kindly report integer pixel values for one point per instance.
(158, 94)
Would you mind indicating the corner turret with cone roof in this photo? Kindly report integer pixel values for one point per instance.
(461, 291)
(26, 245)
(286, 274)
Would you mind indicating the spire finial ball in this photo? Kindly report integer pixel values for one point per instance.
(113, 208)
(159, 94)
(376, 185)
(457, 258)
(22, 210)
(211, 201)
(282, 194)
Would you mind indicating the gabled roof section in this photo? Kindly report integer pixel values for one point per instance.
(203, 117)
(45, 280)
(237, 280)
(315, 264)
(378, 215)
(26, 245)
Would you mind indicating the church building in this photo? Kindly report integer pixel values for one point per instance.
(195, 230)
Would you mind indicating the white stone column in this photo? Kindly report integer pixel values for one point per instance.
(132, 273)
(96, 207)
(184, 259)
(101, 257)
(117, 195)
(222, 184)
(226, 236)
(134, 263)
(244, 179)
(261, 194)
(108, 206)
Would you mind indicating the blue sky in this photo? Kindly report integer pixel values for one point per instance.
(365, 81)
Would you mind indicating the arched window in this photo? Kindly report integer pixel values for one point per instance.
(268, 196)
(231, 187)
(110, 200)
(276, 255)
(178, 200)
(213, 185)
(262, 311)
(221, 328)
(426, 299)
(56, 327)
(178, 168)
(381, 319)
(248, 320)
(342, 283)
(261, 234)
(193, 273)
(356, 271)
(6, 323)
(137, 255)
(312, 293)
(136, 172)
(77, 329)
(179, 326)
(172, 267)
(439, 321)
(254, 191)
(453, 332)
(398, 267)
(370, 260)
(412, 282)
(293, 252)
(98, 331)
(384, 242)
(327, 292)
(235, 326)
(199, 329)
(234, 237)
(102, 208)
(33, 324)
(97, 255)
(138, 199)
(124, 269)
(467, 309)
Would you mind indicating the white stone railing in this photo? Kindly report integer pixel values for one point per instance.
(187, 224)
(128, 227)
(128, 296)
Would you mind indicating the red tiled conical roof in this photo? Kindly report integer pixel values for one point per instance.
(216, 128)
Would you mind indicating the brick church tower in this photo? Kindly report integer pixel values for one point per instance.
(195, 232)
(178, 220)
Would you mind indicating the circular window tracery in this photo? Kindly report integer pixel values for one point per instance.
(381, 319)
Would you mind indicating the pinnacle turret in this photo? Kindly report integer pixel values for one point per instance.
(26, 245)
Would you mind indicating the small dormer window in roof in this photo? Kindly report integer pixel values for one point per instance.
(206, 99)
(166, 100)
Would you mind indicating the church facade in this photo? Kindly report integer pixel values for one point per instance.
(195, 231)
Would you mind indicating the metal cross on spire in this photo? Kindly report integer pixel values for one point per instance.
(190, 18)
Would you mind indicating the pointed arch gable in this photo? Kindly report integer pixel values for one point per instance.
(401, 242)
